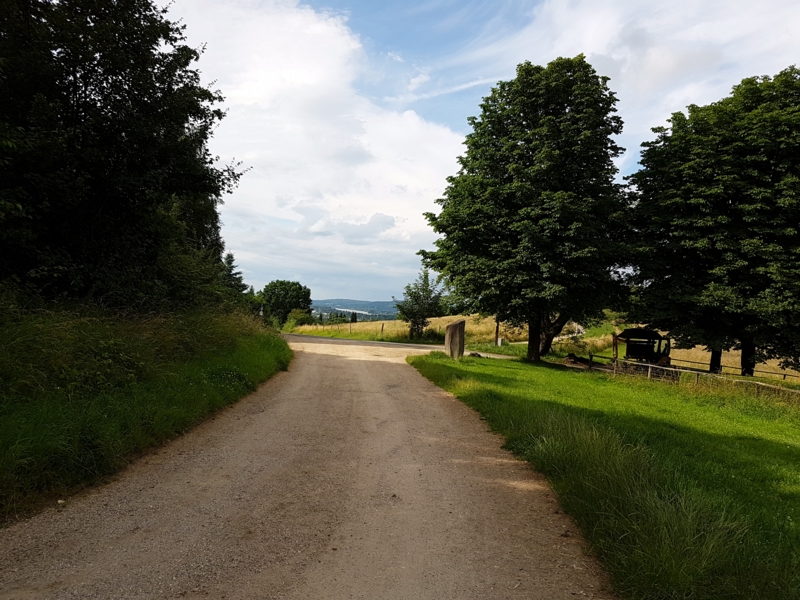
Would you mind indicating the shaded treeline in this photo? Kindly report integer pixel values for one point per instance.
(107, 187)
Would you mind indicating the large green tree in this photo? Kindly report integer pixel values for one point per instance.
(107, 187)
(529, 221)
(280, 297)
(718, 214)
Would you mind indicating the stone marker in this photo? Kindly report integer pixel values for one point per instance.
(454, 339)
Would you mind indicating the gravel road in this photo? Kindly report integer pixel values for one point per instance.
(349, 476)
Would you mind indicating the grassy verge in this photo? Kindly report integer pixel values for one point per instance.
(81, 392)
(518, 350)
(683, 492)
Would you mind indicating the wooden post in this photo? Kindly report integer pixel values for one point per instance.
(351, 327)
(615, 367)
(696, 378)
(649, 371)
(496, 330)
(382, 324)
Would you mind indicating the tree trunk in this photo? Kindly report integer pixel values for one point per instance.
(551, 330)
(748, 358)
(535, 337)
(716, 361)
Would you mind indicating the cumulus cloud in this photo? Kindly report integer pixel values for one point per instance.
(337, 184)
(660, 55)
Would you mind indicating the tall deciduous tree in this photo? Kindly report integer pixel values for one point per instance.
(528, 223)
(107, 187)
(280, 297)
(421, 301)
(718, 213)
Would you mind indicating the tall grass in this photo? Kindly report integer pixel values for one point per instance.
(683, 492)
(81, 391)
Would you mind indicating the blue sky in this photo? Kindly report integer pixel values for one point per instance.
(350, 114)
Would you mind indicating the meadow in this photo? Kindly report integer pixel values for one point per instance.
(682, 491)
(82, 392)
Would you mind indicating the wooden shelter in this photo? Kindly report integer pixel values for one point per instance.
(643, 345)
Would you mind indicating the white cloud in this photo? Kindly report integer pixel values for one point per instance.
(661, 55)
(337, 185)
(418, 80)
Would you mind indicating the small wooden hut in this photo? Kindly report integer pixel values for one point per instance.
(643, 345)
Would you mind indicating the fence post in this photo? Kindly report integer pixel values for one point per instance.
(696, 378)
(615, 367)
(649, 371)
(382, 324)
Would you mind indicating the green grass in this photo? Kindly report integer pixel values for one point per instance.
(599, 330)
(82, 392)
(518, 350)
(682, 491)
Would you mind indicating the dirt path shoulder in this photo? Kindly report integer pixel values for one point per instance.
(350, 476)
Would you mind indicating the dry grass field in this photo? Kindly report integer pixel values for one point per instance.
(478, 329)
(730, 363)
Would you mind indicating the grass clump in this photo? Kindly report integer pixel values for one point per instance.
(682, 492)
(82, 391)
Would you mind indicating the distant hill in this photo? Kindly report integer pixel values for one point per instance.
(380, 308)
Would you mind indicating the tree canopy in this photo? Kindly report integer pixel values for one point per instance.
(280, 297)
(718, 219)
(528, 222)
(422, 300)
(107, 186)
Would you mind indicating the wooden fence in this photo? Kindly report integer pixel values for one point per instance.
(677, 375)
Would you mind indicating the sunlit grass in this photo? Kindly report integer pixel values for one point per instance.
(683, 491)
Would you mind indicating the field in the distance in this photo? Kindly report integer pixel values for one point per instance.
(478, 330)
(684, 491)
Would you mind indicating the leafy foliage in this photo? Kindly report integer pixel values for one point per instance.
(422, 300)
(528, 222)
(718, 215)
(299, 316)
(280, 297)
(107, 187)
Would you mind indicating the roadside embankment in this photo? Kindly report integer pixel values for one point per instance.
(83, 391)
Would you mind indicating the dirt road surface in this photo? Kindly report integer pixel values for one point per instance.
(349, 476)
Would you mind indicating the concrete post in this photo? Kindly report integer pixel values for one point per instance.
(454, 339)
